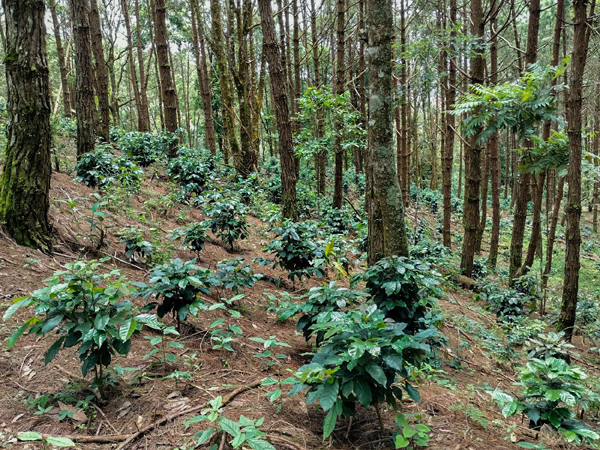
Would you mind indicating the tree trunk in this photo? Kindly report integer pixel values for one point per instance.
(64, 74)
(389, 218)
(166, 79)
(321, 156)
(203, 80)
(143, 76)
(101, 76)
(473, 168)
(25, 182)
(339, 90)
(284, 128)
(581, 35)
(86, 111)
(142, 125)
(597, 153)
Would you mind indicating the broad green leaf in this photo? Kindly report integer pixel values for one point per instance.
(363, 392)
(329, 395)
(329, 423)
(17, 303)
(51, 323)
(376, 373)
(260, 444)
(30, 436)
(401, 441)
(53, 350)
(58, 441)
(16, 335)
(412, 392)
(204, 436)
(127, 329)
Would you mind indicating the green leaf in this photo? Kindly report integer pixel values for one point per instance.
(204, 436)
(16, 335)
(53, 350)
(51, 323)
(17, 303)
(510, 408)
(376, 373)
(401, 441)
(412, 392)
(259, 444)
(30, 436)
(329, 395)
(58, 441)
(329, 423)
(363, 392)
(101, 321)
(127, 329)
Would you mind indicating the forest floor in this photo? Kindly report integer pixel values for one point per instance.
(453, 402)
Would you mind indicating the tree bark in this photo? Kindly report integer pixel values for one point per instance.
(166, 77)
(101, 75)
(86, 110)
(339, 90)
(389, 218)
(25, 182)
(581, 35)
(284, 128)
(64, 74)
(144, 111)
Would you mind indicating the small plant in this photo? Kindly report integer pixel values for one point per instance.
(96, 218)
(88, 309)
(236, 275)
(402, 288)
(135, 243)
(410, 435)
(191, 170)
(243, 433)
(98, 167)
(221, 334)
(480, 269)
(160, 348)
(195, 237)
(146, 148)
(326, 298)
(227, 219)
(360, 359)
(295, 250)
(269, 345)
(45, 440)
(551, 345)
(552, 389)
(179, 286)
(507, 304)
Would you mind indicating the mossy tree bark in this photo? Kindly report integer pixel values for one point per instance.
(339, 90)
(25, 182)
(62, 64)
(581, 37)
(277, 74)
(101, 75)
(84, 81)
(386, 213)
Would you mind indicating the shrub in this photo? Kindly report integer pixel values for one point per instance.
(195, 237)
(507, 304)
(402, 288)
(552, 389)
(135, 243)
(360, 360)
(191, 170)
(236, 275)
(88, 309)
(551, 345)
(295, 250)
(100, 168)
(325, 298)
(227, 219)
(146, 148)
(178, 285)
(479, 268)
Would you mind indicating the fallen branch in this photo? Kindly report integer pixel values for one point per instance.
(228, 398)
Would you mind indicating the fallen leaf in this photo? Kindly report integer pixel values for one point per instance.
(78, 414)
(17, 417)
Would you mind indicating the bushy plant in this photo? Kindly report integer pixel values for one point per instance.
(402, 289)
(178, 285)
(95, 168)
(133, 239)
(507, 304)
(86, 308)
(195, 236)
(480, 269)
(236, 274)
(192, 169)
(551, 345)
(326, 298)
(359, 361)
(227, 218)
(295, 250)
(552, 389)
(146, 148)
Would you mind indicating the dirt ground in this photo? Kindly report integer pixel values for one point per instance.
(460, 414)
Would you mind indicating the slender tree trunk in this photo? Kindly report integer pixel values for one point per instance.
(25, 181)
(278, 87)
(473, 168)
(64, 76)
(203, 80)
(132, 72)
(581, 36)
(100, 69)
(321, 156)
(166, 78)
(339, 90)
(596, 190)
(86, 111)
(144, 111)
(405, 113)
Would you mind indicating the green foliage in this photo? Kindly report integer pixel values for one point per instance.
(269, 345)
(56, 441)
(325, 298)
(86, 309)
(507, 304)
(295, 250)
(101, 168)
(410, 435)
(191, 170)
(518, 106)
(552, 389)
(479, 268)
(227, 218)
(178, 284)
(221, 334)
(244, 433)
(195, 236)
(551, 345)
(133, 239)
(235, 274)
(359, 360)
(402, 289)
(160, 347)
(146, 148)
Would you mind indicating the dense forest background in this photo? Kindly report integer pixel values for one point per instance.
(415, 183)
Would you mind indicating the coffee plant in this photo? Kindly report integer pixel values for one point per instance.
(227, 218)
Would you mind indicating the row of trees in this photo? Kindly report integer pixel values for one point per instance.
(402, 68)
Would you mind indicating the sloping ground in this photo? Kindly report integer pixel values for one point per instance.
(461, 415)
